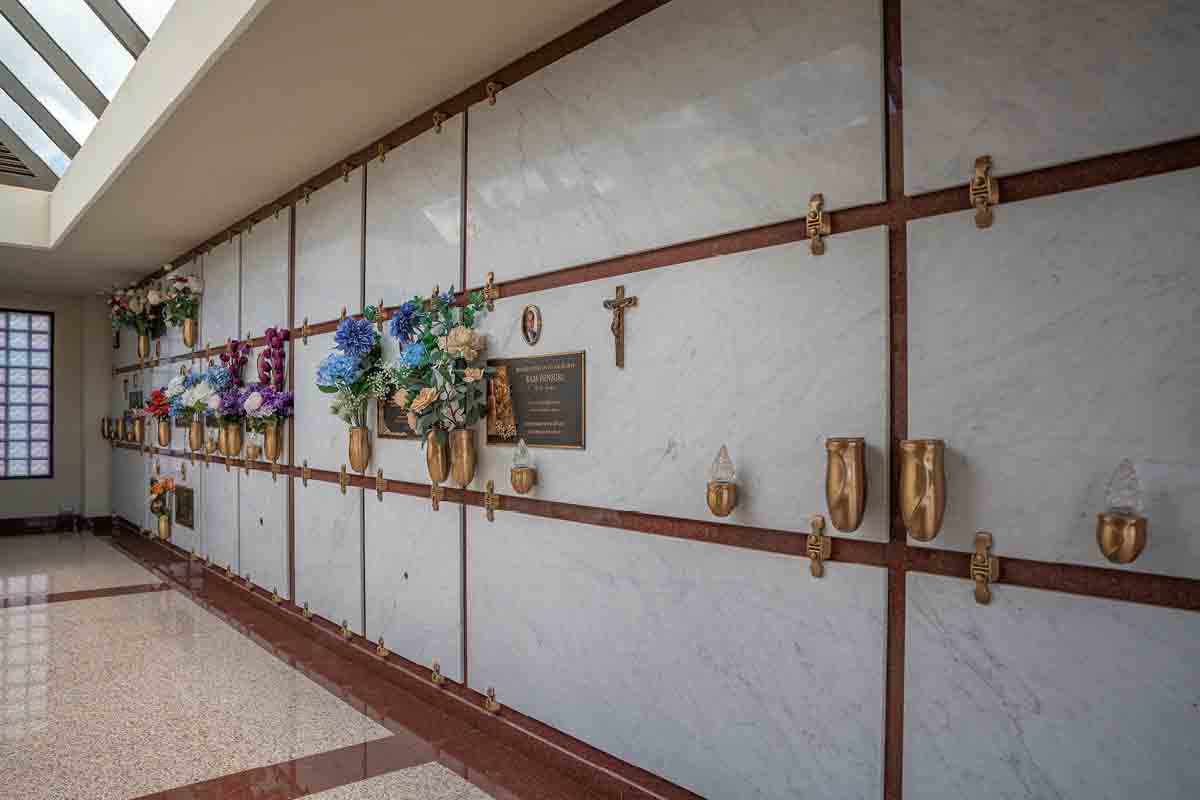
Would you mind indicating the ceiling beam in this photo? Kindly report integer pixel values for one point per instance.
(117, 20)
(37, 112)
(55, 56)
(44, 177)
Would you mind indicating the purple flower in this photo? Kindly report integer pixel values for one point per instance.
(231, 404)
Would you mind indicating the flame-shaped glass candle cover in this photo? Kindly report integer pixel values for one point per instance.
(722, 470)
(1124, 492)
(521, 455)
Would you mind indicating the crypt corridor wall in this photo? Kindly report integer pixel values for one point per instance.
(1043, 350)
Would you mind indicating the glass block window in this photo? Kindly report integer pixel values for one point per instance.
(26, 367)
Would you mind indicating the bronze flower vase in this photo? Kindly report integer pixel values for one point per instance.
(462, 455)
(271, 441)
(437, 456)
(120, 430)
(143, 346)
(360, 448)
(164, 433)
(189, 333)
(231, 434)
(164, 526)
(139, 430)
(196, 435)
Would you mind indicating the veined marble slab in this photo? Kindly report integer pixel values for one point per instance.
(769, 352)
(1050, 347)
(321, 438)
(1034, 83)
(263, 525)
(328, 251)
(220, 505)
(265, 275)
(638, 141)
(414, 579)
(329, 566)
(731, 672)
(1042, 694)
(220, 311)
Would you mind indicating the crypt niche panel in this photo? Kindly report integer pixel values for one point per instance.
(635, 141)
(1035, 84)
(328, 251)
(219, 305)
(219, 514)
(1044, 694)
(769, 353)
(265, 275)
(724, 670)
(414, 580)
(329, 566)
(263, 529)
(321, 436)
(1050, 348)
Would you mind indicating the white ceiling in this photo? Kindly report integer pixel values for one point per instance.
(306, 84)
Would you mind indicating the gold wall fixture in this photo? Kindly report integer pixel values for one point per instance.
(343, 314)
(229, 570)
(345, 169)
(722, 485)
(305, 331)
(275, 598)
(439, 117)
(344, 630)
(491, 705)
(984, 191)
(381, 315)
(436, 493)
(1121, 529)
(247, 581)
(923, 487)
(436, 675)
(846, 482)
(381, 152)
(820, 547)
(305, 473)
(275, 472)
(817, 224)
(490, 292)
(306, 612)
(985, 568)
(192, 555)
(491, 501)
(523, 475)
(380, 484)
(343, 478)
(491, 89)
(381, 649)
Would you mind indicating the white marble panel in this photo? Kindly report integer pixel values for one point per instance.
(1042, 694)
(637, 141)
(329, 566)
(126, 354)
(770, 352)
(731, 672)
(1035, 83)
(329, 251)
(1050, 347)
(414, 579)
(265, 275)
(219, 516)
(263, 521)
(321, 438)
(130, 491)
(219, 310)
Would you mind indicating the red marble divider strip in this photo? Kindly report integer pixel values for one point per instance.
(514, 752)
(19, 600)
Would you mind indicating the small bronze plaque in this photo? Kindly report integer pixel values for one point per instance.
(393, 421)
(541, 399)
(185, 506)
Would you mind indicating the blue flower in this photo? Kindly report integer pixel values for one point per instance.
(191, 379)
(414, 356)
(218, 377)
(338, 369)
(175, 407)
(355, 337)
(401, 327)
(448, 297)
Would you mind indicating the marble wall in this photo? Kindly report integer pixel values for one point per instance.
(329, 250)
(329, 552)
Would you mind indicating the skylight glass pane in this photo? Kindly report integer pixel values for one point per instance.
(44, 84)
(81, 34)
(148, 14)
(33, 136)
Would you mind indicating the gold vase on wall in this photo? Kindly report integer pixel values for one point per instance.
(139, 430)
(143, 345)
(360, 448)
(164, 526)
(845, 482)
(437, 456)
(462, 455)
(120, 429)
(231, 436)
(271, 441)
(164, 433)
(196, 435)
(923, 487)
(189, 333)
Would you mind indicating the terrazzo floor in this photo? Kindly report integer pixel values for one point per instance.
(67, 562)
(430, 781)
(180, 694)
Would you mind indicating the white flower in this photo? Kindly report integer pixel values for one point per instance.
(214, 402)
(154, 297)
(253, 402)
(175, 387)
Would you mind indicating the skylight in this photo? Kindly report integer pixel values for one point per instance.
(61, 61)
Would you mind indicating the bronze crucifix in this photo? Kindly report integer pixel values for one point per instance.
(617, 306)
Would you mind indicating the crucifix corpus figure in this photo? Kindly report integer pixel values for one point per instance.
(617, 306)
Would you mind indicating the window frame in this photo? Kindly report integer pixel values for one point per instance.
(50, 404)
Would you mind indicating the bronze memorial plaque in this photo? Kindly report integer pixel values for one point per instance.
(541, 399)
(392, 421)
(185, 507)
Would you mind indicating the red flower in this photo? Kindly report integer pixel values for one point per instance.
(158, 406)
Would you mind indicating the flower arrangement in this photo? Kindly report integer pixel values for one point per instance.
(138, 308)
(271, 359)
(160, 494)
(181, 298)
(354, 370)
(433, 379)
(263, 404)
(158, 406)
(226, 380)
(193, 401)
